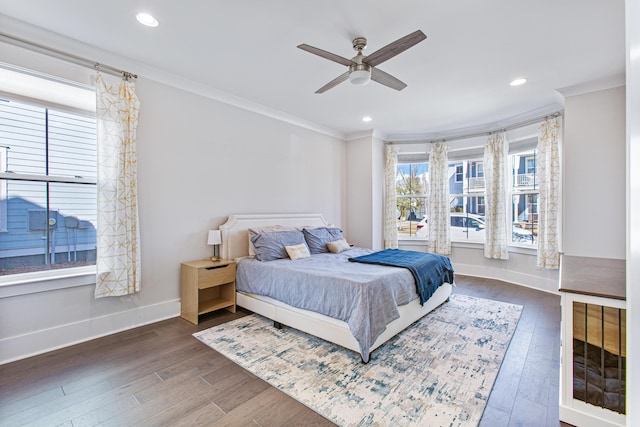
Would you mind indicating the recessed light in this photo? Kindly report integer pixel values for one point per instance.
(146, 19)
(518, 82)
(366, 119)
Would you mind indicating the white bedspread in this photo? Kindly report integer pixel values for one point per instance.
(364, 296)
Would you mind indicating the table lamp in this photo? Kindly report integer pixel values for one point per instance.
(214, 239)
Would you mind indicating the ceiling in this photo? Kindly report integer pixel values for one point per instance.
(458, 78)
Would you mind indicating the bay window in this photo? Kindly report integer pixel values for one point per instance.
(467, 200)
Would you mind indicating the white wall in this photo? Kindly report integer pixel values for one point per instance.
(633, 207)
(365, 191)
(199, 160)
(594, 174)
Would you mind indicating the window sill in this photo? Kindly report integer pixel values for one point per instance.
(44, 281)
(470, 245)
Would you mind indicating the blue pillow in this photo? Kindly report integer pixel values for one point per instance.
(271, 246)
(317, 238)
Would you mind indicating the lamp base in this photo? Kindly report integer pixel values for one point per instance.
(215, 259)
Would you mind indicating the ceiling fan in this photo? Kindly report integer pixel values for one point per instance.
(363, 68)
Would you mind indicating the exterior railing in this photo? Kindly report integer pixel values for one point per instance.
(476, 183)
(525, 180)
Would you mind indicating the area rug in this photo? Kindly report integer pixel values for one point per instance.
(438, 372)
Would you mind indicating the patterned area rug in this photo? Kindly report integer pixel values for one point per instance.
(438, 372)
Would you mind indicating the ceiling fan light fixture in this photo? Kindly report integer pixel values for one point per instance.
(359, 74)
(360, 77)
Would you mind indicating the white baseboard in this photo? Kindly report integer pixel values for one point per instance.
(42, 341)
(511, 276)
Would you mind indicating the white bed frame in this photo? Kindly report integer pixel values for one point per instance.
(235, 244)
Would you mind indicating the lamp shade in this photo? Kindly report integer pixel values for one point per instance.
(214, 238)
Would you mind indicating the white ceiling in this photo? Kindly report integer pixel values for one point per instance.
(458, 78)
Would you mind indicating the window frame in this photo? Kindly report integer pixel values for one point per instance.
(470, 193)
(424, 196)
(3, 191)
(47, 279)
(516, 189)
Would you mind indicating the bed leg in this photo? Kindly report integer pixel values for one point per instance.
(277, 325)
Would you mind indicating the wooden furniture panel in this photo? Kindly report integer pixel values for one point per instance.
(207, 286)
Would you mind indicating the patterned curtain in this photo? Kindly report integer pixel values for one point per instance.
(495, 171)
(548, 163)
(118, 252)
(390, 201)
(438, 205)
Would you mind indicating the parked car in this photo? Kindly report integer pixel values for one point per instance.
(471, 228)
(464, 227)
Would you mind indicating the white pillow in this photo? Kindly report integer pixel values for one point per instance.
(338, 246)
(298, 251)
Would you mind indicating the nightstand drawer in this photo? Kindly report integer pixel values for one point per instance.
(217, 275)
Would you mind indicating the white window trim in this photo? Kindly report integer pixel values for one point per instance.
(45, 281)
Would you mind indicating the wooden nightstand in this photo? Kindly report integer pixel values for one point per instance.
(207, 286)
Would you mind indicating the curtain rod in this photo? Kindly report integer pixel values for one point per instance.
(78, 60)
(484, 133)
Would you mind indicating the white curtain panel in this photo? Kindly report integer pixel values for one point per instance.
(438, 205)
(390, 202)
(118, 252)
(548, 163)
(495, 173)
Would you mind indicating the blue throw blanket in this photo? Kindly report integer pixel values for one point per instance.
(429, 270)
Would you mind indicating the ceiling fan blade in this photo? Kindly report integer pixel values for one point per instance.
(386, 79)
(328, 55)
(395, 48)
(335, 82)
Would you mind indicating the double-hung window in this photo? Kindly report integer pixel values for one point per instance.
(47, 174)
(524, 198)
(467, 201)
(412, 188)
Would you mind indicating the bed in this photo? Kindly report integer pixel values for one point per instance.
(344, 329)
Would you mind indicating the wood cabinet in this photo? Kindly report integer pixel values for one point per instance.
(593, 362)
(207, 286)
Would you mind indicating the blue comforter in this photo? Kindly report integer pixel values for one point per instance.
(429, 270)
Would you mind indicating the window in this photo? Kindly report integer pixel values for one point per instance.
(467, 201)
(524, 199)
(459, 174)
(467, 187)
(412, 186)
(47, 187)
(3, 191)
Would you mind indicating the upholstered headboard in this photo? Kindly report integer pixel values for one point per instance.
(235, 232)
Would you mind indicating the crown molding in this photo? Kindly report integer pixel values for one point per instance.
(59, 42)
(604, 83)
(462, 133)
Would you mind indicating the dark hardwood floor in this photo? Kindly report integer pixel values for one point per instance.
(160, 375)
